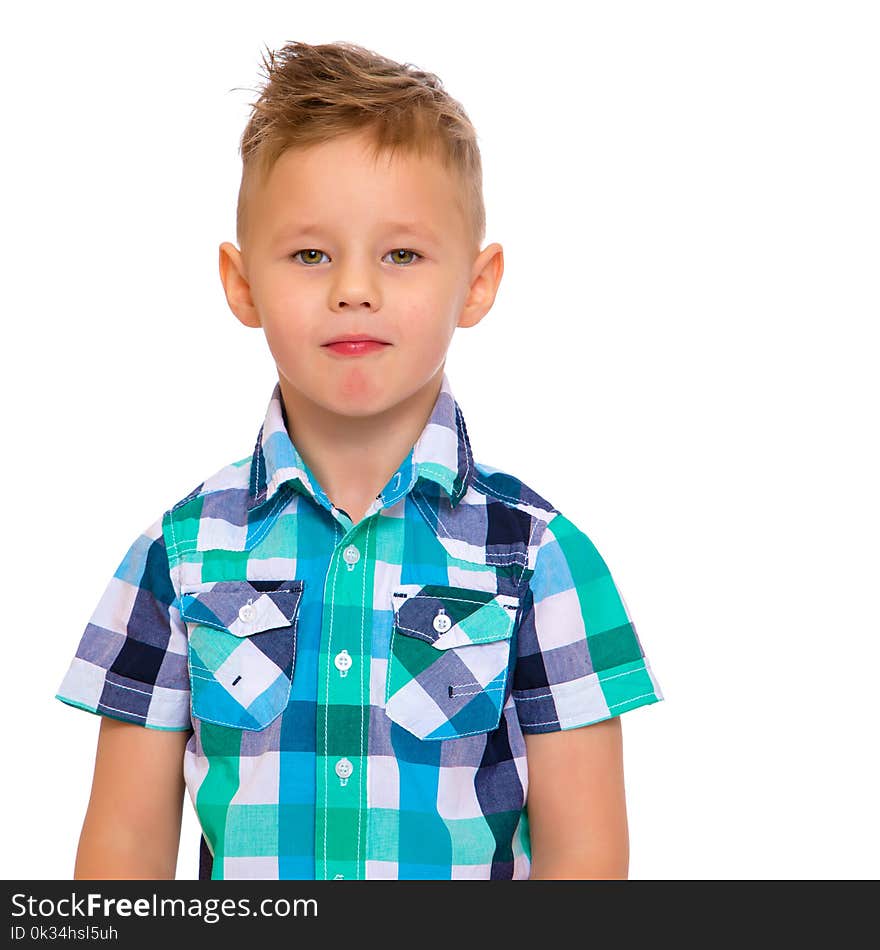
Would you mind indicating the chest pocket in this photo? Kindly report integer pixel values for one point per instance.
(449, 659)
(242, 649)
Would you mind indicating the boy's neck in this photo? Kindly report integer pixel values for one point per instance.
(354, 457)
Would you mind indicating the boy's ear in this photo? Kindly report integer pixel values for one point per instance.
(236, 286)
(486, 275)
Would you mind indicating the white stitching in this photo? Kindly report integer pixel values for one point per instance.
(478, 480)
(463, 600)
(417, 633)
(528, 550)
(471, 732)
(632, 700)
(427, 638)
(624, 673)
(501, 559)
(414, 495)
(261, 461)
(554, 722)
(518, 694)
(458, 691)
(173, 533)
(281, 499)
(462, 433)
(569, 719)
(126, 711)
(134, 689)
(498, 559)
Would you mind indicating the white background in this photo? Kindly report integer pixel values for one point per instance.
(682, 358)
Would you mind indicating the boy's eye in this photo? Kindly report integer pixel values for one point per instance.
(397, 252)
(308, 255)
(399, 255)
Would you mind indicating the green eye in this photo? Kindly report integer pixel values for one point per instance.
(397, 252)
(400, 255)
(307, 253)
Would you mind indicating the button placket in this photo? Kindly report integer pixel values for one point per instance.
(344, 685)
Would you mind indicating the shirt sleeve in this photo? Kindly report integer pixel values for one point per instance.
(131, 662)
(579, 658)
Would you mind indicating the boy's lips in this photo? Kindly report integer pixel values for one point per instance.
(354, 345)
(354, 338)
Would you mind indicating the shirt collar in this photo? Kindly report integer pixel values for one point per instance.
(441, 454)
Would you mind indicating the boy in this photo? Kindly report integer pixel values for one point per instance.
(362, 653)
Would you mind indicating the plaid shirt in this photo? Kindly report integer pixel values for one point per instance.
(358, 694)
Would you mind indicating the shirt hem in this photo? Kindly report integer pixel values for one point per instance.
(120, 718)
(634, 686)
(579, 721)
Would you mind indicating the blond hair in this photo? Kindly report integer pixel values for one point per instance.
(312, 94)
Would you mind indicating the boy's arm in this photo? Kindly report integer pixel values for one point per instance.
(132, 825)
(576, 803)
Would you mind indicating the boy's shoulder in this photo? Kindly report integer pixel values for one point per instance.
(503, 488)
(233, 478)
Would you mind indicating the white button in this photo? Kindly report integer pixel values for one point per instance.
(247, 613)
(344, 768)
(442, 621)
(338, 877)
(351, 554)
(342, 661)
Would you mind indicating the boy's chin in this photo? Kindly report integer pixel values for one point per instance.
(353, 396)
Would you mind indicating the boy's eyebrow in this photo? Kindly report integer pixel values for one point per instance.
(416, 228)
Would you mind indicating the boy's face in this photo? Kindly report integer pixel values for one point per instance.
(327, 253)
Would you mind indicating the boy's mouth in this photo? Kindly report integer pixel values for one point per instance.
(354, 345)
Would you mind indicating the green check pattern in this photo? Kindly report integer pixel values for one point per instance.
(358, 694)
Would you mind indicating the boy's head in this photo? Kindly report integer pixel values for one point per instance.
(315, 94)
(360, 212)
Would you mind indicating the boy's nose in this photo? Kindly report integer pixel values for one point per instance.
(354, 287)
(355, 292)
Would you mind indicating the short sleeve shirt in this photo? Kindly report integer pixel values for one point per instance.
(358, 694)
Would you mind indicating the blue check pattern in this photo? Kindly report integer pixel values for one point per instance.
(358, 694)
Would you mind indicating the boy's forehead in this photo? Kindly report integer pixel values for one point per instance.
(344, 179)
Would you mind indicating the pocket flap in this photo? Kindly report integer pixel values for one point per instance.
(453, 616)
(242, 607)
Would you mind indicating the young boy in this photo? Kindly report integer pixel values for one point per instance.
(362, 653)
